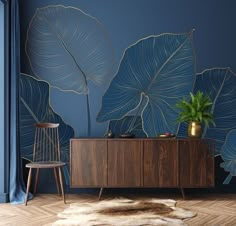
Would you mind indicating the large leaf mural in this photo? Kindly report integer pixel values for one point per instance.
(220, 85)
(157, 69)
(34, 108)
(228, 154)
(67, 48)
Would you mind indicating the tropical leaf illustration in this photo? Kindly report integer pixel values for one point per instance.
(67, 48)
(157, 69)
(220, 85)
(228, 154)
(125, 125)
(34, 108)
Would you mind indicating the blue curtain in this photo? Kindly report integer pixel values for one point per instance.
(17, 186)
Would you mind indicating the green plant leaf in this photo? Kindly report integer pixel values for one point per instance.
(194, 109)
(219, 85)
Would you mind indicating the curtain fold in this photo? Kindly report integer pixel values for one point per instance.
(16, 186)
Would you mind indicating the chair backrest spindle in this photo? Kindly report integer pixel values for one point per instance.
(46, 144)
(58, 145)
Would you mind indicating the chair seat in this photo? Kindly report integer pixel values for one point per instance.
(44, 164)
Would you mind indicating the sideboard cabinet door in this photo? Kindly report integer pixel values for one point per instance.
(124, 163)
(160, 163)
(88, 163)
(196, 163)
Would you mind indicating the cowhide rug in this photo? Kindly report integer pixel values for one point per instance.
(124, 212)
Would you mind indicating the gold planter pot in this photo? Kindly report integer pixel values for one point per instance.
(194, 130)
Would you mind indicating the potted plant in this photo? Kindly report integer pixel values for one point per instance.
(195, 111)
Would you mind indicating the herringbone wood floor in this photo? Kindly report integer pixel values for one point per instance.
(212, 209)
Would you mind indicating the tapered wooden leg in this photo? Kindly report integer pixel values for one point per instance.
(61, 182)
(28, 185)
(56, 178)
(182, 192)
(36, 181)
(100, 193)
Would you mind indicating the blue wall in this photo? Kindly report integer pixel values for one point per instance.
(127, 21)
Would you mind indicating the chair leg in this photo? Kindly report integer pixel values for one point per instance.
(28, 185)
(100, 193)
(61, 182)
(182, 192)
(36, 181)
(56, 178)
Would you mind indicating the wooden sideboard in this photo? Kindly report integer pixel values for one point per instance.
(136, 162)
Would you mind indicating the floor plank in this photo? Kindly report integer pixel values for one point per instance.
(212, 209)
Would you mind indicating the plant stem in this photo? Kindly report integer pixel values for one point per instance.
(136, 115)
(88, 115)
(228, 179)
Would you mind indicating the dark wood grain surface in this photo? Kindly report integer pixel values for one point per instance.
(88, 161)
(161, 163)
(124, 163)
(149, 162)
(196, 163)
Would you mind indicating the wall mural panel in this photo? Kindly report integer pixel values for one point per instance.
(69, 49)
(66, 48)
(158, 68)
(229, 156)
(34, 108)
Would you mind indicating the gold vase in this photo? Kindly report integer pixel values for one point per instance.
(194, 130)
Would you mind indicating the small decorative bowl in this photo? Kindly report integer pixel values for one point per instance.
(166, 136)
(126, 135)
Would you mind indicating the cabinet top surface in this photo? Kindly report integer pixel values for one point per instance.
(140, 139)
